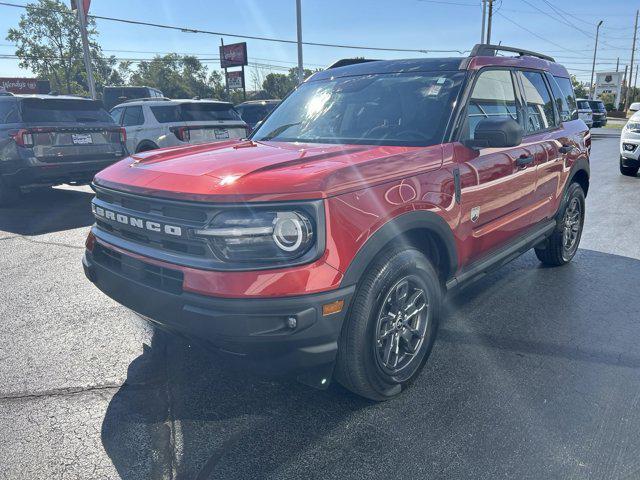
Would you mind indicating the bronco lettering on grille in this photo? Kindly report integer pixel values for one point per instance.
(136, 222)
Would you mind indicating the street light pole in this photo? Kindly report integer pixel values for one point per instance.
(633, 51)
(490, 20)
(484, 15)
(82, 19)
(593, 66)
(299, 22)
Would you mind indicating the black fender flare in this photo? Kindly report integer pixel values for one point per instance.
(580, 165)
(148, 143)
(419, 219)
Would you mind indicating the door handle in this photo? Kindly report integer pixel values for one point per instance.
(523, 160)
(564, 149)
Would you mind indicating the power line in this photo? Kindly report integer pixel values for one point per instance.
(235, 35)
(535, 34)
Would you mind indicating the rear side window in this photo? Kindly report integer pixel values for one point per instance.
(493, 96)
(195, 112)
(9, 112)
(565, 111)
(36, 110)
(539, 102)
(116, 114)
(569, 96)
(133, 116)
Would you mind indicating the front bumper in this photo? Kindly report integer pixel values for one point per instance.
(630, 148)
(253, 331)
(20, 173)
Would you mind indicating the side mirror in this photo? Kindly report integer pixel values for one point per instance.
(498, 133)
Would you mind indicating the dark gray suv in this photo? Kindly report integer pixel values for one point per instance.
(48, 140)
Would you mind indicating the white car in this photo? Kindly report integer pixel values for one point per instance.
(584, 112)
(630, 146)
(157, 123)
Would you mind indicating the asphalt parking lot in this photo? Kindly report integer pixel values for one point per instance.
(536, 372)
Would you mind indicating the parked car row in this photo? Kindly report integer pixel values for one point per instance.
(48, 140)
(592, 112)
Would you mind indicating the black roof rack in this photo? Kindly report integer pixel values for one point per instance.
(486, 50)
(350, 61)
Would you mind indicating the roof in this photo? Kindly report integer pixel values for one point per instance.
(43, 96)
(172, 101)
(259, 102)
(481, 56)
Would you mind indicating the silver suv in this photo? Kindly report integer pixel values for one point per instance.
(157, 123)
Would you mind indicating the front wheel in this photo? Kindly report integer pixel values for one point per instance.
(391, 326)
(563, 243)
(628, 171)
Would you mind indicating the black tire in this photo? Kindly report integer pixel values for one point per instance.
(628, 171)
(563, 243)
(361, 358)
(8, 195)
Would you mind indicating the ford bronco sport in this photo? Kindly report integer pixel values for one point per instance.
(323, 245)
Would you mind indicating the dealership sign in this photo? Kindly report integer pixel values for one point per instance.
(233, 55)
(235, 80)
(24, 85)
(609, 82)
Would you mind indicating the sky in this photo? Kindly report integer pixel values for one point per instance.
(567, 33)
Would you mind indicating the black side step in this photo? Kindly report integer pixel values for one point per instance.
(502, 256)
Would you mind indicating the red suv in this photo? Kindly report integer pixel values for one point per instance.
(323, 245)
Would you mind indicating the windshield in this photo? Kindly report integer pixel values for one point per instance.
(583, 105)
(381, 109)
(63, 110)
(596, 105)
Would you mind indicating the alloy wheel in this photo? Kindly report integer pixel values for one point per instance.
(401, 326)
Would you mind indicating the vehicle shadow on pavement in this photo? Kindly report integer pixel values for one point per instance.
(47, 210)
(530, 361)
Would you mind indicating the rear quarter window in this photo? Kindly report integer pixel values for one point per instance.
(569, 96)
(203, 112)
(166, 113)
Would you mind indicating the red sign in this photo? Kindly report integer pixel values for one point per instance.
(24, 85)
(235, 80)
(233, 55)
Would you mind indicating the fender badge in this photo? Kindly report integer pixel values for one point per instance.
(475, 214)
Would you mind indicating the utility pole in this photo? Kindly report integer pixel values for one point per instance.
(82, 19)
(593, 66)
(299, 22)
(635, 82)
(489, 21)
(633, 51)
(617, 63)
(484, 15)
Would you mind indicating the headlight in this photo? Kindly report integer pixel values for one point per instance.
(633, 127)
(265, 236)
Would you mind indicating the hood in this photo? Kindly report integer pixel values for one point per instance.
(264, 171)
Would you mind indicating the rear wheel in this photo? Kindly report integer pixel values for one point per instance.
(563, 243)
(8, 194)
(628, 171)
(145, 147)
(391, 326)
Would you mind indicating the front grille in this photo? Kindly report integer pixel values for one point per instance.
(161, 278)
(187, 216)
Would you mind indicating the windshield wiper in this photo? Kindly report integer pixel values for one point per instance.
(279, 130)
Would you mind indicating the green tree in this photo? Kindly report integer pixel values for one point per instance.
(48, 43)
(177, 76)
(578, 88)
(277, 85)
